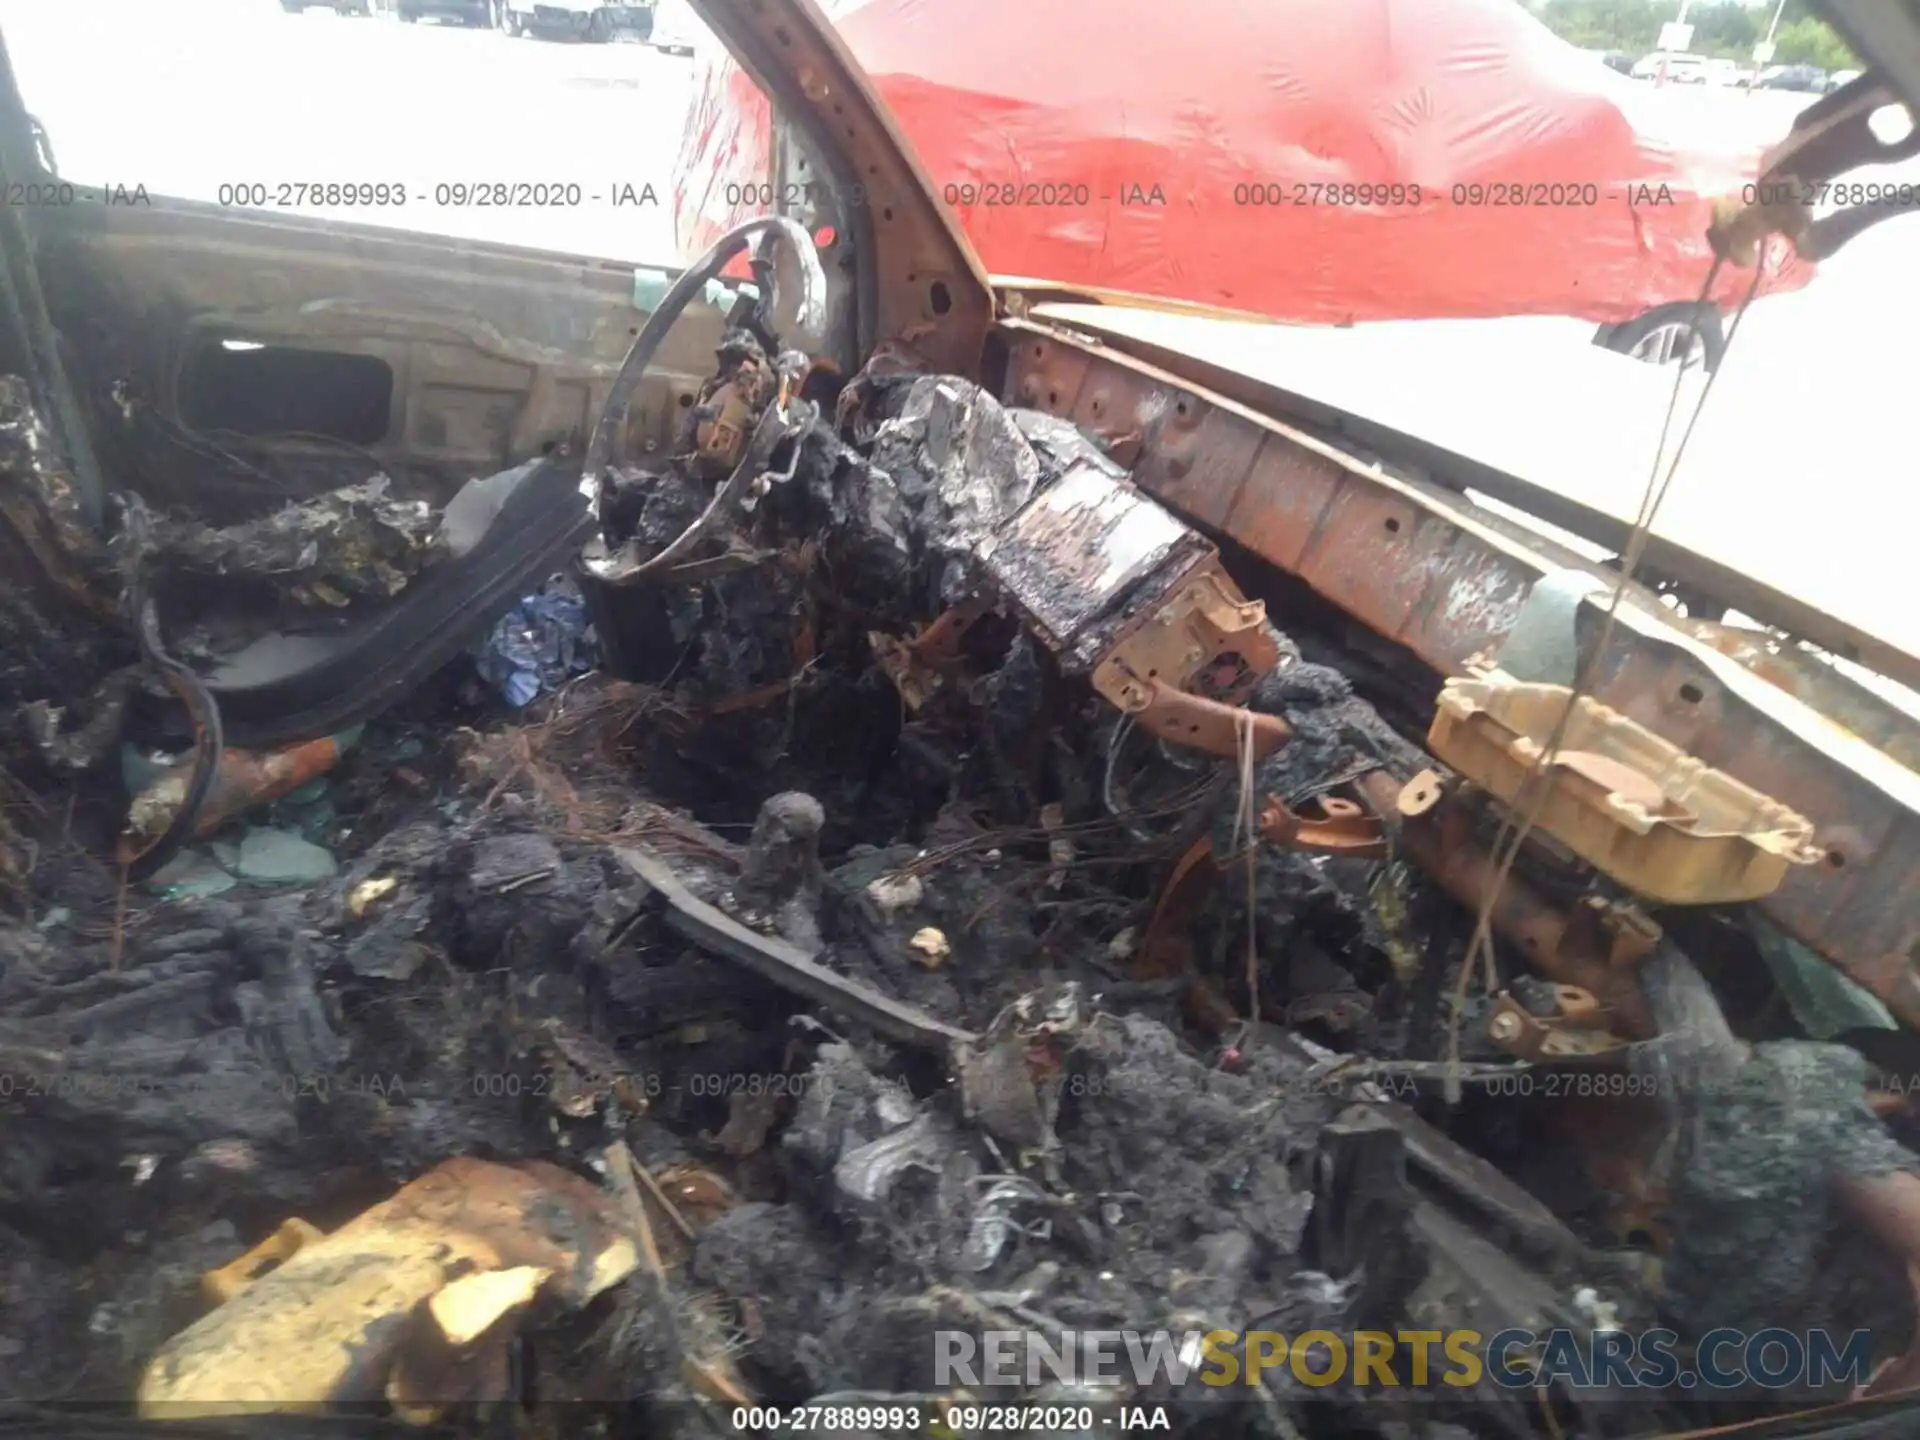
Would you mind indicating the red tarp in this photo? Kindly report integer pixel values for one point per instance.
(1070, 116)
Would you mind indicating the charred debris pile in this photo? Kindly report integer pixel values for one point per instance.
(951, 905)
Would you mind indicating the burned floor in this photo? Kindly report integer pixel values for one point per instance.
(894, 884)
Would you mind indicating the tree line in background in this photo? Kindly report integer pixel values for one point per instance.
(1725, 29)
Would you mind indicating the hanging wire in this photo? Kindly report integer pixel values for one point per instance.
(1510, 839)
(1246, 842)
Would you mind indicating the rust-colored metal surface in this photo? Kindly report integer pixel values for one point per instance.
(1328, 826)
(1339, 827)
(1201, 723)
(1851, 705)
(1585, 945)
(1420, 566)
(1617, 1137)
(1178, 668)
(1164, 947)
(925, 279)
(1206, 637)
(1576, 1031)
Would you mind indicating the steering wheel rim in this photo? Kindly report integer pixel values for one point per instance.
(810, 315)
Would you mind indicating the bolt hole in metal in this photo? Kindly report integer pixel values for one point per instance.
(939, 297)
(1890, 124)
(1835, 859)
(1393, 526)
(1692, 694)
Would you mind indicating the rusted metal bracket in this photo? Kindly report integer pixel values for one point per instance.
(1594, 944)
(1178, 670)
(1575, 1031)
(1339, 828)
(918, 271)
(1120, 590)
(1334, 826)
(1182, 718)
(1205, 637)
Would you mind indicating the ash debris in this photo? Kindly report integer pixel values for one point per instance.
(906, 1047)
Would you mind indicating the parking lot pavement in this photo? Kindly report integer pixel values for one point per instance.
(188, 97)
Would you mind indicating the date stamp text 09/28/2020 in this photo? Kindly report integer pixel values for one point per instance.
(618, 193)
(1040, 194)
(353, 195)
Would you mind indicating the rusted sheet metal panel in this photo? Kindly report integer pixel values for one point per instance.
(1202, 459)
(1416, 564)
(1368, 557)
(1281, 503)
(1360, 539)
(1472, 602)
(1054, 387)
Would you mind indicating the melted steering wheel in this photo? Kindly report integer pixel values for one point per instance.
(810, 314)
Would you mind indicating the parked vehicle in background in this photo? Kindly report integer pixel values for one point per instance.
(1680, 69)
(674, 27)
(478, 14)
(1810, 79)
(1614, 60)
(576, 20)
(1380, 173)
(1841, 78)
(340, 7)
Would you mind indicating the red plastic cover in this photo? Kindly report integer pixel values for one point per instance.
(1324, 161)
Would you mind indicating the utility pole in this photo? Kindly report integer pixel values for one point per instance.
(1765, 47)
(1661, 79)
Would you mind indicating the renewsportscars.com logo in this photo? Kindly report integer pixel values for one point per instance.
(1772, 1359)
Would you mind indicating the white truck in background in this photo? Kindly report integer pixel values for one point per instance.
(675, 27)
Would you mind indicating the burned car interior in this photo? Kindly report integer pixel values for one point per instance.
(1052, 836)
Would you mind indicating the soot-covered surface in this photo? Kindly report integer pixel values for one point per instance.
(1110, 1142)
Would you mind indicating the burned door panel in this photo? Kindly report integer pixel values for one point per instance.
(496, 353)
